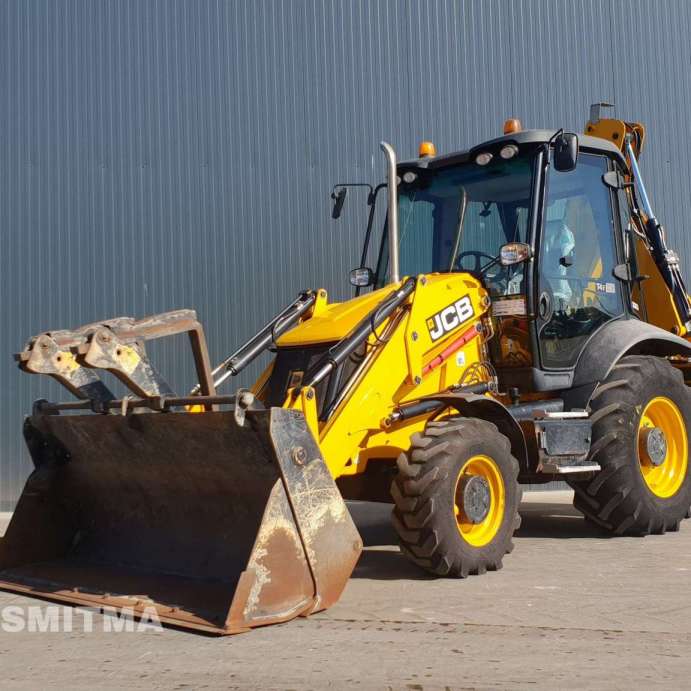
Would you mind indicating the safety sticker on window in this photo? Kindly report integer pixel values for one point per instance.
(509, 307)
(605, 287)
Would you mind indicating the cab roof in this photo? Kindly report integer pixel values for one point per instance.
(524, 138)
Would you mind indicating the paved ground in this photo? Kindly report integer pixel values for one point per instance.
(572, 608)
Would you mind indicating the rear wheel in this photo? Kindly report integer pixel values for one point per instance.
(456, 498)
(641, 415)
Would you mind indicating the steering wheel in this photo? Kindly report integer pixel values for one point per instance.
(478, 257)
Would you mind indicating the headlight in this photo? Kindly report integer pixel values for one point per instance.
(361, 277)
(484, 158)
(508, 151)
(409, 177)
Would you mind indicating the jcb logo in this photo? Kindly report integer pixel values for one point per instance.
(450, 317)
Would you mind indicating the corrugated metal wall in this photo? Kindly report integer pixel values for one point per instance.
(166, 153)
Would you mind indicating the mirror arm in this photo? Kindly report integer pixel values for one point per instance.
(339, 197)
(372, 203)
(350, 184)
(368, 234)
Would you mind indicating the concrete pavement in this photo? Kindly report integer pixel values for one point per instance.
(572, 608)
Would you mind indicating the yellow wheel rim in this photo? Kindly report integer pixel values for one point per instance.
(665, 479)
(482, 533)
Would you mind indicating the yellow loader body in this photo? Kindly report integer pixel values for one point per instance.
(400, 369)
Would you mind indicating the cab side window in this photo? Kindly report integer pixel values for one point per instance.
(578, 292)
(417, 233)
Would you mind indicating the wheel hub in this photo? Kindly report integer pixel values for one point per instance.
(476, 498)
(653, 445)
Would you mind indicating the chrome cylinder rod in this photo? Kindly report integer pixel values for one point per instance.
(640, 186)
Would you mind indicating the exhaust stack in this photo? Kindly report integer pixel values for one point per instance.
(394, 271)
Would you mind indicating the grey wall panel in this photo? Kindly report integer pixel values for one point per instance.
(652, 60)
(157, 154)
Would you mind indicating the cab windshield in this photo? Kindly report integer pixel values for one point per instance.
(457, 219)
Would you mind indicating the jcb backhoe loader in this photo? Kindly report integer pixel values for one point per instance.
(526, 323)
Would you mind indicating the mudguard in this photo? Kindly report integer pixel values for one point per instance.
(609, 345)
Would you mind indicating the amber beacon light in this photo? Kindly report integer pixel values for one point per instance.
(427, 149)
(512, 125)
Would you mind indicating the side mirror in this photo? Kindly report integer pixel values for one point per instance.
(565, 152)
(362, 277)
(615, 180)
(514, 253)
(339, 200)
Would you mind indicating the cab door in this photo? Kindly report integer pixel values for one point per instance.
(577, 290)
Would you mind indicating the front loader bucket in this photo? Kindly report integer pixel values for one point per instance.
(218, 526)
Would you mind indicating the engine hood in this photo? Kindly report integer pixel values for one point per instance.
(333, 321)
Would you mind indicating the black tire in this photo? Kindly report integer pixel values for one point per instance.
(424, 494)
(617, 498)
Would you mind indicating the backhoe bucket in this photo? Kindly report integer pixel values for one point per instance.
(219, 525)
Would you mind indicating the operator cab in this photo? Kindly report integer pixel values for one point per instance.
(543, 239)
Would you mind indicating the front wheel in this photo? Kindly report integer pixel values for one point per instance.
(641, 416)
(456, 498)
